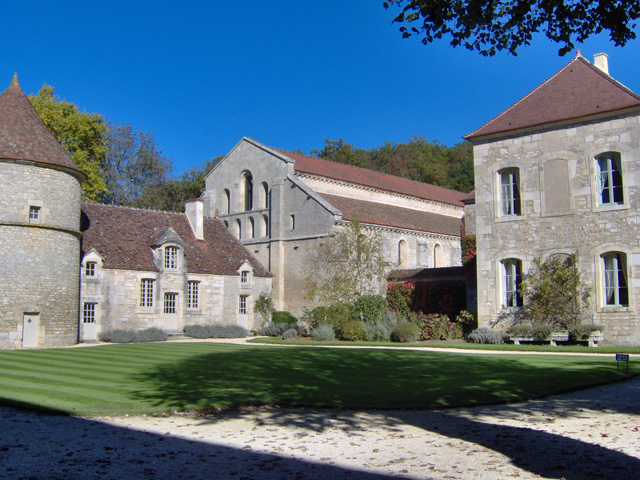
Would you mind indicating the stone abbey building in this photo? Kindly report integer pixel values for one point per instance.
(558, 172)
(282, 205)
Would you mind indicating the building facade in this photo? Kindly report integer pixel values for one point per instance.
(40, 195)
(281, 205)
(558, 172)
(146, 268)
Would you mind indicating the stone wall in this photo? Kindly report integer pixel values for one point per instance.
(39, 258)
(561, 213)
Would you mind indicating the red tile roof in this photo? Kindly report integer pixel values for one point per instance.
(578, 90)
(370, 178)
(392, 216)
(24, 136)
(124, 237)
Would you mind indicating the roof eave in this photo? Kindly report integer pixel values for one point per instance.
(481, 138)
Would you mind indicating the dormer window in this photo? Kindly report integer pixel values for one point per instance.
(244, 277)
(90, 269)
(171, 258)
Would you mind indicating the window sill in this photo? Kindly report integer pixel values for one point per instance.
(615, 309)
(610, 207)
(509, 218)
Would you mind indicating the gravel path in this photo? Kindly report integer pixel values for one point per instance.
(590, 434)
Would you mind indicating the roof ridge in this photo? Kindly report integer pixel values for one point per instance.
(113, 205)
(366, 170)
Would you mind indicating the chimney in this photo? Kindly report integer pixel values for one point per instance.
(194, 210)
(601, 60)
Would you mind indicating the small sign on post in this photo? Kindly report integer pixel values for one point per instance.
(622, 357)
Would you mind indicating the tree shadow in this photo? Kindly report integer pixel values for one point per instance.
(539, 452)
(37, 446)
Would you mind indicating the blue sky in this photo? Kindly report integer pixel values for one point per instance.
(201, 75)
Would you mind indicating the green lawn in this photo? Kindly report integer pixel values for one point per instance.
(159, 377)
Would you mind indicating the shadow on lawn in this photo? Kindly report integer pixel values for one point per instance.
(335, 379)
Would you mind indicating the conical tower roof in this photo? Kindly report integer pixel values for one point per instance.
(577, 91)
(25, 137)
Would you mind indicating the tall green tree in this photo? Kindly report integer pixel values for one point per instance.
(489, 26)
(82, 135)
(347, 266)
(134, 165)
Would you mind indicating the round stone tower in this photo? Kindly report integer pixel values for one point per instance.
(40, 195)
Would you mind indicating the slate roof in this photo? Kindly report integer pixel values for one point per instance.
(392, 216)
(370, 178)
(442, 273)
(124, 237)
(578, 90)
(24, 136)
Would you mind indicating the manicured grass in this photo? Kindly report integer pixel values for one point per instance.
(457, 344)
(160, 377)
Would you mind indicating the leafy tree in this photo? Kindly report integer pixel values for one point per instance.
(489, 26)
(135, 166)
(339, 151)
(347, 266)
(82, 135)
(554, 294)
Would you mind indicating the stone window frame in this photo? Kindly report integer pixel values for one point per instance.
(147, 292)
(170, 303)
(193, 294)
(243, 304)
(89, 312)
(501, 290)
(510, 192)
(496, 180)
(35, 214)
(90, 269)
(171, 257)
(600, 280)
(596, 203)
(403, 253)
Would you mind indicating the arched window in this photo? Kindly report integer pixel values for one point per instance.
(511, 283)
(250, 229)
(265, 195)
(248, 191)
(238, 228)
(616, 285)
(226, 224)
(227, 196)
(402, 253)
(265, 226)
(438, 261)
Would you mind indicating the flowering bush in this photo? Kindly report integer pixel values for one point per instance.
(435, 326)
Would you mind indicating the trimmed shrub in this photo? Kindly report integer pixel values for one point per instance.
(542, 332)
(350, 330)
(274, 329)
(380, 331)
(302, 329)
(369, 308)
(289, 334)
(485, 335)
(406, 332)
(583, 332)
(215, 331)
(131, 336)
(520, 330)
(323, 333)
(117, 336)
(284, 317)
